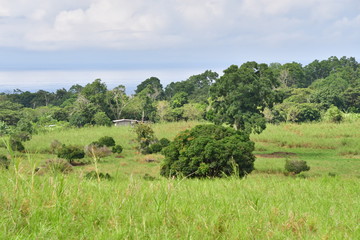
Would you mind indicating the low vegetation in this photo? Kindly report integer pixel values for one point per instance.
(137, 203)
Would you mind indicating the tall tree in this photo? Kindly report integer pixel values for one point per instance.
(153, 86)
(117, 101)
(95, 92)
(241, 94)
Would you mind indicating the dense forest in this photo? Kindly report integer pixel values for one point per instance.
(290, 92)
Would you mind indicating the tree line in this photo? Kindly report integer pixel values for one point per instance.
(245, 97)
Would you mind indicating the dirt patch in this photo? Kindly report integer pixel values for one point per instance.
(276, 155)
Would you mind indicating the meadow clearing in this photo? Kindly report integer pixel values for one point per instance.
(137, 203)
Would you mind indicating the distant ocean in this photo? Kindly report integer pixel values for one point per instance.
(49, 80)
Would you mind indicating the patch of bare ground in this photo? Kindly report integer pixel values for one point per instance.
(276, 155)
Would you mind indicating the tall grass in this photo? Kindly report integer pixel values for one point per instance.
(261, 206)
(69, 207)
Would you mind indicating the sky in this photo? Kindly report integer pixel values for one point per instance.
(50, 44)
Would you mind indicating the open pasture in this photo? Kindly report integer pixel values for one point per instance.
(324, 204)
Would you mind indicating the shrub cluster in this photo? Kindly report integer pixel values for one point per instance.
(296, 166)
(209, 151)
(93, 175)
(70, 153)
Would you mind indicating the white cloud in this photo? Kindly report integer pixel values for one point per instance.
(141, 24)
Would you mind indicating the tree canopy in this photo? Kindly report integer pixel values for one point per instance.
(241, 94)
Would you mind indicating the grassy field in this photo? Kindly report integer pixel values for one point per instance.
(324, 204)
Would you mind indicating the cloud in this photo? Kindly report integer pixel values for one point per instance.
(219, 25)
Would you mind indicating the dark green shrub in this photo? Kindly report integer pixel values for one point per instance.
(106, 141)
(296, 166)
(209, 151)
(155, 147)
(70, 153)
(304, 112)
(16, 145)
(21, 136)
(148, 177)
(4, 162)
(93, 175)
(164, 142)
(117, 149)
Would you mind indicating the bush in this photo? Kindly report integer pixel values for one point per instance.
(296, 166)
(55, 166)
(93, 175)
(117, 149)
(333, 114)
(209, 151)
(100, 118)
(106, 141)
(164, 142)
(155, 148)
(145, 137)
(21, 136)
(304, 112)
(4, 162)
(16, 145)
(70, 153)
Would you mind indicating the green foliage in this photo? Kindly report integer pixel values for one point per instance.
(209, 151)
(179, 99)
(92, 175)
(83, 112)
(241, 94)
(16, 144)
(4, 128)
(95, 92)
(196, 87)
(4, 162)
(305, 112)
(117, 149)
(164, 142)
(351, 98)
(329, 91)
(106, 141)
(70, 153)
(60, 115)
(153, 86)
(145, 137)
(333, 114)
(155, 147)
(100, 118)
(194, 111)
(10, 112)
(296, 166)
(117, 101)
(21, 136)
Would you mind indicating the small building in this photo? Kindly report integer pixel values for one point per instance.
(125, 122)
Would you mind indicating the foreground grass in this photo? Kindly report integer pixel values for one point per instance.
(262, 206)
(258, 207)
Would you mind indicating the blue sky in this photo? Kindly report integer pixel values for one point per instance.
(48, 44)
